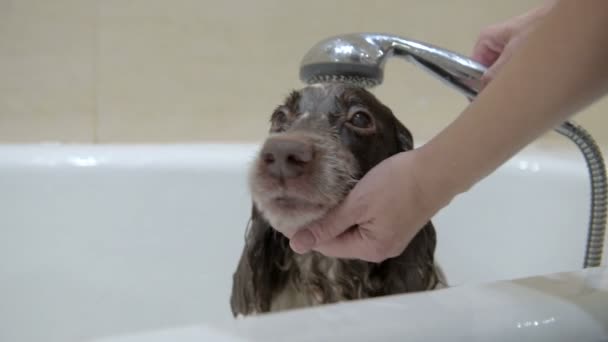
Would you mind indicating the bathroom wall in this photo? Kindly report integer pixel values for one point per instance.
(115, 71)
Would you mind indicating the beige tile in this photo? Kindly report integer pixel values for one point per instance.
(47, 70)
(214, 70)
(186, 70)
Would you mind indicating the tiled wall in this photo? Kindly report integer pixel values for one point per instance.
(191, 70)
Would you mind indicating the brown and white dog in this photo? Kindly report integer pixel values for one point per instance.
(323, 138)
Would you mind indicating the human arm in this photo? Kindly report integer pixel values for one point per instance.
(559, 69)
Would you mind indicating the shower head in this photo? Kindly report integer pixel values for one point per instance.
(359, 58)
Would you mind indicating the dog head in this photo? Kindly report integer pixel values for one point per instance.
(323, 138)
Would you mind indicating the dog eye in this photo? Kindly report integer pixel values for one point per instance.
(279, 117)
(361, 119)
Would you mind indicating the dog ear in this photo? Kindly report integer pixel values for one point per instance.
(242, 297)
(405, 140)
(259, 274)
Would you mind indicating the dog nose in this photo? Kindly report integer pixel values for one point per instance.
(286, 158)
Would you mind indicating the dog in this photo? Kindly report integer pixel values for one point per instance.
(323, 138)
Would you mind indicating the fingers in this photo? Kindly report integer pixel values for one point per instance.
(334, 223)
(354, 244)
(490, 45)
(491, 73)
(483, 54)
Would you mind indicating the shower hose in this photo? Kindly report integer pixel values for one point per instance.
(597, 173)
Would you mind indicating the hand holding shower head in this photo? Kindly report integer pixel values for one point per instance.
(359, 58)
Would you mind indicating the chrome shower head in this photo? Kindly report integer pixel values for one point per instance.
(359, 58)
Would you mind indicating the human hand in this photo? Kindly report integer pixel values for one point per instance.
(380, 215)
(497, 43)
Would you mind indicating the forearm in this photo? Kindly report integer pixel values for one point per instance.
(560, 69)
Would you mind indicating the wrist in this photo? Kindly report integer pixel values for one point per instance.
(436, 176)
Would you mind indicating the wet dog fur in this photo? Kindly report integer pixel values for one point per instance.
(323, 138)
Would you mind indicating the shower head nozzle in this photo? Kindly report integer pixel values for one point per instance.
(347, 59)
(354, 78)
(359, 58)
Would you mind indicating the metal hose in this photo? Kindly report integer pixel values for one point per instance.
(597, 173)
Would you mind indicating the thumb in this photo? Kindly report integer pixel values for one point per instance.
(334, 223)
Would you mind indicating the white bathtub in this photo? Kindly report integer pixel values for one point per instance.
(98, 241)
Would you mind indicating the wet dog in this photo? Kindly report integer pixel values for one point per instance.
(322, 139)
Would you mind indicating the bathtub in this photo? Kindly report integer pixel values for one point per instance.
(99, 241)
